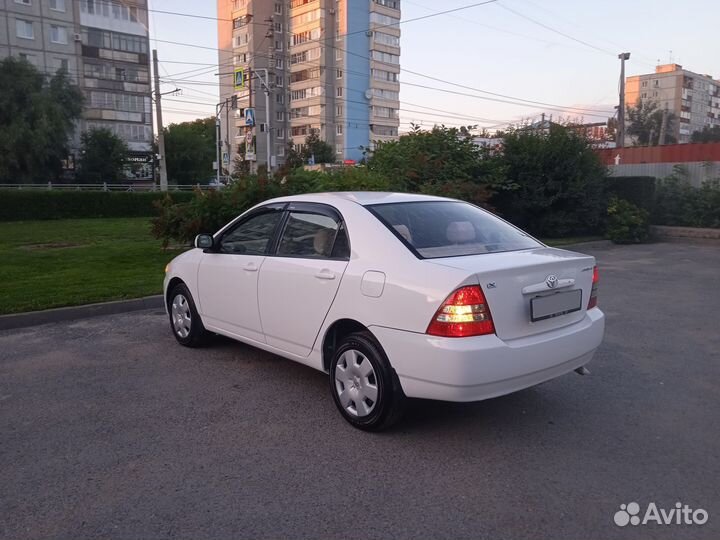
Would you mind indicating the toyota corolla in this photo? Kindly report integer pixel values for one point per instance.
(393, 296)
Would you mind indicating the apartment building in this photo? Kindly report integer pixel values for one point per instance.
(693, 98)
(330, 66)
(104, 46)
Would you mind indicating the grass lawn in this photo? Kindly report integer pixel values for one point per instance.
(47, 264)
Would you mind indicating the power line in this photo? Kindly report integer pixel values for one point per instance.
(550, 28)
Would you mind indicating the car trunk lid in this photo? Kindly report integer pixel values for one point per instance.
(513, 282)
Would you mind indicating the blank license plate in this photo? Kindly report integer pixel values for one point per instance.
(560, 303)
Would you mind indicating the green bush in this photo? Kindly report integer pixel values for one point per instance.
(31, 204)
(209, 211)
(677, 203)
(556, 183)
(627, 224)
(639, 190)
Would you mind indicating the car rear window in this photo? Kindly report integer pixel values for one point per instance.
(434, 229)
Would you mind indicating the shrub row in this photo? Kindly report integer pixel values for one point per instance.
(23, 205)
(639, 190)
(679, 204)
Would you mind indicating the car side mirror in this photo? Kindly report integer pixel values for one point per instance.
(204, 241)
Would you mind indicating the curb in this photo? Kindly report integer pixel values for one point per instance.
(34, 318)
(592, 244)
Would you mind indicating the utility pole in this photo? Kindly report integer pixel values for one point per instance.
(620, 138)
(161, 134)
(266, 88)
(663, 127)
(218, 140)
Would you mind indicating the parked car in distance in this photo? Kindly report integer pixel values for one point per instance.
(393, 295)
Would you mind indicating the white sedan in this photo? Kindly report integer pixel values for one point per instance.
(393, 295)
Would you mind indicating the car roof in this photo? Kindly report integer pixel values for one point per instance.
(363, 198)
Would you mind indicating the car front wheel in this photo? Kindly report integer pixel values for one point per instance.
(185, 321)
(364, 386)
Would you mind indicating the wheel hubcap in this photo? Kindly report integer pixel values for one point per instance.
(356, 383)
(181, 319)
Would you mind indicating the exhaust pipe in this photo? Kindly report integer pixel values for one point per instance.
(582, 370)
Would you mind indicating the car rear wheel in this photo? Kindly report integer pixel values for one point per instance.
(364, 386)
(185, 321)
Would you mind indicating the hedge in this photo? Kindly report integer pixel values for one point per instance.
(25, 205)
(639, 190)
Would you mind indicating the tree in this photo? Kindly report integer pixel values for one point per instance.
(190, 151)
(317, 149)
(558, 182)
(645, 123)
(442, 161)
(37, 119)
(102, 157)
(707, 134)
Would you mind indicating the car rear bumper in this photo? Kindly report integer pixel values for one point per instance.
(482, 367)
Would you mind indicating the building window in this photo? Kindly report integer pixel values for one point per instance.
(24, 2)
(385, 57)
(280, 99)
(280, 116)
(281, 151)
(57, 5)
(339, 91)
(278, 45)
(279, 64)
(339, 110)
(278, 27)
(338, 148)
(338, 129)
(386, 39)
(280, 133)
(385, 112)
(58, 34)
(384, 20)
(62, 64)
(30, 58)
(339, 74)
(278, 8)
(24, 29)
(279, 81)
(382, 75)
(394, 4)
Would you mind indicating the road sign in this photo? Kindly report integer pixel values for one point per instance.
(249, 117)
(239, 79)
(226, 158)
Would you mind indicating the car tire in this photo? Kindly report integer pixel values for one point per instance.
(185, 322)
(364, 385)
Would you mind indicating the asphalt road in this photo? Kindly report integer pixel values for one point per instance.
(109, 429)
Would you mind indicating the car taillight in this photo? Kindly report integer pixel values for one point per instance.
(464, 313)
(593, 292)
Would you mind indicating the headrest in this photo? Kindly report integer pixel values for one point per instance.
(459, 232)
(321, 242)
(403, 231)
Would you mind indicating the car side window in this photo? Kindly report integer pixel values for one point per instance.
(313, 236)
(251, 237)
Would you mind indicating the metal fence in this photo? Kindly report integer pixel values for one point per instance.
(105, 187)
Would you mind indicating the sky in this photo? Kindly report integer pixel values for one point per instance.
(559, 52)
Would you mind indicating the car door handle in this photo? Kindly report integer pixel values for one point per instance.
(325, 274)
(251, 267)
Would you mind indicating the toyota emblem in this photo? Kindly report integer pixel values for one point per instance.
(551, 281)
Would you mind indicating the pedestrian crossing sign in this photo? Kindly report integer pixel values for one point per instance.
(239, 79)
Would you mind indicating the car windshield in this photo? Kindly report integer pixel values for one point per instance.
(435, 229)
